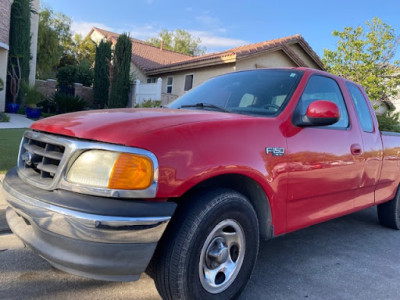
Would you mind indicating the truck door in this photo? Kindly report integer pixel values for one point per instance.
(325, 163)
(372, 145)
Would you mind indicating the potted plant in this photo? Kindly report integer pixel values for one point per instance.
(32, 97)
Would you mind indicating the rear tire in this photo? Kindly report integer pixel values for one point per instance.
(210, 248)
(389, 212)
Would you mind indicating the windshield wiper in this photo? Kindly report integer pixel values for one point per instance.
(205, 105)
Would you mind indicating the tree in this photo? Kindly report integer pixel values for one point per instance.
(70, 74)
(179, 41)
(101, 83)
(56, 45)
(366, 56)
(389, 121)
(20, 37)
(84, 48)
(49, 46)
(77, 50)
(122, 62)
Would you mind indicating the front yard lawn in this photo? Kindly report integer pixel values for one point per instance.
(9, 146)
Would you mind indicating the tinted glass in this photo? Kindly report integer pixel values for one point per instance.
(324, 88)
(188, 82)
(363, 113)
(258, 92)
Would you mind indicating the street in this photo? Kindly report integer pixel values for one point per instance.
(348, 258)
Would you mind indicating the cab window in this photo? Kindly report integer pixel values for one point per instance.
(363, 113)
(324, 88)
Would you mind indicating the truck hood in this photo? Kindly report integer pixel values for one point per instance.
(122, 126)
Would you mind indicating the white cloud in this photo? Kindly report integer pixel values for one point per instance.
(210, 23)
(208, 20)
(209, 38)
(212, 41)
(84, 28)
(144, 32)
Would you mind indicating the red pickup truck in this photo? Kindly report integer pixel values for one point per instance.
(187, 191)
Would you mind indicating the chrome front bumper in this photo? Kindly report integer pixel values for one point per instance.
(116, 247)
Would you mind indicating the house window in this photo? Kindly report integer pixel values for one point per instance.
(188, 82)
(169, 85)
(151, 80)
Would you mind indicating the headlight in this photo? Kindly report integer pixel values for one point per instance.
(113, 170)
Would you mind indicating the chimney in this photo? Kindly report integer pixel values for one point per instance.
(162, 45)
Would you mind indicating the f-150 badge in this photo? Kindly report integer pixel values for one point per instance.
(276, 151)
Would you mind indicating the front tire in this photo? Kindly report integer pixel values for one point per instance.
(209, 249)
(389, 212)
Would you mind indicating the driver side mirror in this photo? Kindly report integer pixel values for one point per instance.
(319, 113)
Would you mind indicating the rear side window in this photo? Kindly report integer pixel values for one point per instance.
(363, 113)
(325, 88)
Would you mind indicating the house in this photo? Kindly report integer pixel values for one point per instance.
(180, 73)
(5, 12)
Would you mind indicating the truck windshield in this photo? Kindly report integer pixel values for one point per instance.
(255, 92)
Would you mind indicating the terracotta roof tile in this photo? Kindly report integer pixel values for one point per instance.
(242, 51)
(150, 58)
(146, 56)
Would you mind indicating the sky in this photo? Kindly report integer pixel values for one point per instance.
(227, 24)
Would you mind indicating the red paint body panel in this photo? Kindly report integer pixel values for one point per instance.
(389, 178)
(122, 126)
(324, 173)
(323, 109)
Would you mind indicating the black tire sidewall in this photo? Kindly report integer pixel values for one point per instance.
(237, 208)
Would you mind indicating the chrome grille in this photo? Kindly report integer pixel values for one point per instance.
(39, 159)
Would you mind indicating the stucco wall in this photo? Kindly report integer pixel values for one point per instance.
(137, 74)
(199, 76)
(268, 60)
(304, 56)
(96, 37)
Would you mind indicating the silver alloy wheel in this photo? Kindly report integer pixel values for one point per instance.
(222, 256)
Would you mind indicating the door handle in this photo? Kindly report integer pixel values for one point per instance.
(356, 149)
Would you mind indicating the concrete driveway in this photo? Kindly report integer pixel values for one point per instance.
(348, 258)
(16, 121)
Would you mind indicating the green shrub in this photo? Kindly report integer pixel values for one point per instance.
(65, 103)
(82, 73)
(66, 75)
(1, 84)
(31, 95)
(149, 104)
(389, 121)
(21, 110)
(47, 106)
(4, 118)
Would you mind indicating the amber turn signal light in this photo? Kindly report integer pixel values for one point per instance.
(131, 172)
